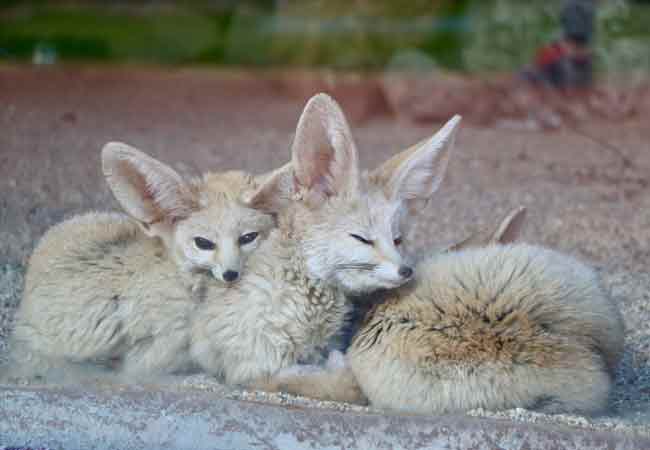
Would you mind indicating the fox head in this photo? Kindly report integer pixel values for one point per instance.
(202, 222)
(347, 224)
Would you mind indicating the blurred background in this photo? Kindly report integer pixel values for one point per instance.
(466, 46)
(472, 36)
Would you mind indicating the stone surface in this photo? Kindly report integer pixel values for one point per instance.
(144, 419)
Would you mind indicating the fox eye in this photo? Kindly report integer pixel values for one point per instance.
(248, 238)
(397, 241)
(362, 239)
(204, 244)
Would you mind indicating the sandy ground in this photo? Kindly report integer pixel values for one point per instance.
(581, 195)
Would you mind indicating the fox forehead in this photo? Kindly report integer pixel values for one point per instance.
(369, 212)
(230, 218)
(221, 189)
(221, 211)
(384, 215)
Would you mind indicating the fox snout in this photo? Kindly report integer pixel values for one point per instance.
(394, 274)
(225, 275)
(230, 275)
(405, 272)
(227, 263)
(392, 267)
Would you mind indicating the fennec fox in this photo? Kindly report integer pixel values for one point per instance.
(335, 381)
(494, 327)
(99, 283)
(507, 231)
(202, 223)
(339, 234)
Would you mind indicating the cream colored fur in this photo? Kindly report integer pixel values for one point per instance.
(178, 211)
(117, 291)
(513, 326)
(291, 300)
(335, 381)
(497, 327)
(485, 326)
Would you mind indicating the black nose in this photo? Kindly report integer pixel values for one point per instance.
(405, 272)
(230, 275)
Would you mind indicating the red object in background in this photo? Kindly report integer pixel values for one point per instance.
(550, 54)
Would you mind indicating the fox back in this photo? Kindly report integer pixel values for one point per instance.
(88, 285)
(494, 328)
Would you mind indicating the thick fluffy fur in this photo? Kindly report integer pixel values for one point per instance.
(499, 327)
(277, 316)
(489, 325)
(290, 301)
(100, 290)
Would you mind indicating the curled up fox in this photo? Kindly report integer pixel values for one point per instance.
(495, 326)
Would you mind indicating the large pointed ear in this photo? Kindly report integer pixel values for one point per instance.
(274, 192)
(416, 173)
(508, 231)
(510, 228)
(148, 190)
(324, 156)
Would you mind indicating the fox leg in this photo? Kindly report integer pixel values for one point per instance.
(157, 355)
(29, 365)
(335, 382)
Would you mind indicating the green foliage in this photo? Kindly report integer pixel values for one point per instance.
(470, 35)
(362, 34)
(89, 33)
(623, 40)
(505, 34)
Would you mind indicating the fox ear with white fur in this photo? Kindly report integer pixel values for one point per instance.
(324, 156)
(275, 191)
(148, 190)
(416, 173)
(508, 231)
(510, 228)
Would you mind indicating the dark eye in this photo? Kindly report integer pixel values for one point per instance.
(361, 239)
(248, 238)
(204, 244)
(397, 241)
